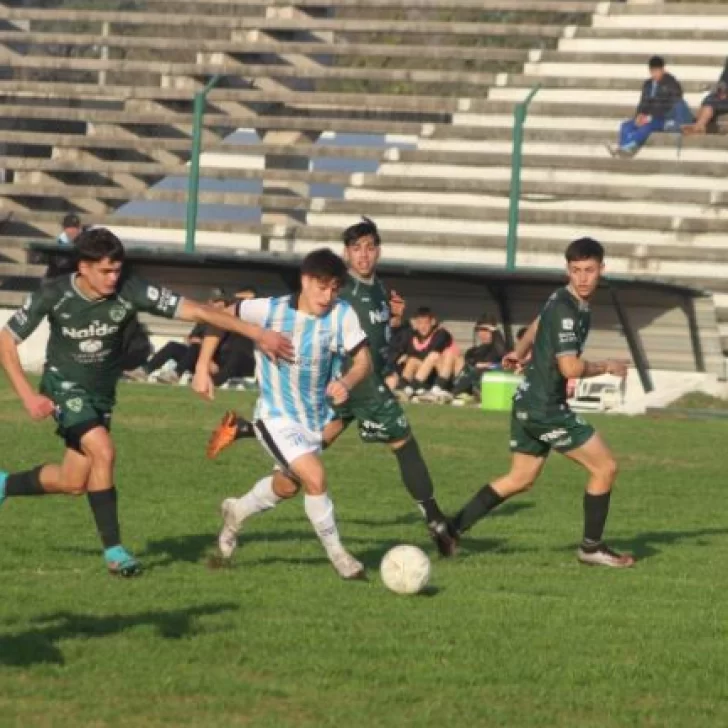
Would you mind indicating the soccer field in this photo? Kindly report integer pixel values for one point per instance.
(514, 632)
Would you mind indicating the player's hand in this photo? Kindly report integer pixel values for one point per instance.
(275, 346)
(39, 407)
(511, 363)
(337, 391)
(203, 385)
(617, 367)
(397, 304)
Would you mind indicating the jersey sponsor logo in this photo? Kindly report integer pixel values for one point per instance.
(117, 314)
(20, 318)
(567, 324)
(567, 338)
(75, 404)
(381, 316)
(153, 293)
(91, 346)
(94, 329)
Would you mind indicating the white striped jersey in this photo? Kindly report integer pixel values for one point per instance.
(297, 390)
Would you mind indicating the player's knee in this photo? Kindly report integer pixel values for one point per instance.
(285, 488)
(315, 486)
(103, 454)
(609, 469)
(75, 487)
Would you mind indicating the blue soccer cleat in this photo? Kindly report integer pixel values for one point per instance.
(120, 562)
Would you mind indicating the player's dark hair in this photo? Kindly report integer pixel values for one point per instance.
(424, 311)
(361, 230)
(95, 245)
(585, 249)
(324, 265)
(656, 62)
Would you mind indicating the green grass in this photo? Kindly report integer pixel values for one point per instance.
(515, 633)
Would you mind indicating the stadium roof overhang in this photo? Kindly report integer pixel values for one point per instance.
(495, 279)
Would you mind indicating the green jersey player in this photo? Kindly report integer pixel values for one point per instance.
(371, 404)
(541, 420)
(87, 312)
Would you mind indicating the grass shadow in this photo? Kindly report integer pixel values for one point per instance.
(38, 645)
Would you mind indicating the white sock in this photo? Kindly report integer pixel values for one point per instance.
(320, 511)
(258, 499)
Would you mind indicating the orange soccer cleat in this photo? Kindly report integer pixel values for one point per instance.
(224, 434)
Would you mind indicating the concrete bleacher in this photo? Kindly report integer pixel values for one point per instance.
(97, 110)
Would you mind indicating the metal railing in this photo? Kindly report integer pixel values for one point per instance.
(519, 116)
(193, 181)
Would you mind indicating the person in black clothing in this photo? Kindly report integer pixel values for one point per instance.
(485, 355)
(661, 107)
(184, 355)
(713, 106)
(401, 332)
(430, 359)
(64, 262)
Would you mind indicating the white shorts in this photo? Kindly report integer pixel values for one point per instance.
(287, 440)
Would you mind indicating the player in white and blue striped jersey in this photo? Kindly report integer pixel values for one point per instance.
(296, 396)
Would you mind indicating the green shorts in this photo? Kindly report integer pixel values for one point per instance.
(77, 410)
(538, 435)
(377, 412)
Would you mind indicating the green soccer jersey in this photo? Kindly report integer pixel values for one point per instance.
(562, 329)
(86, 336)
(371, 303)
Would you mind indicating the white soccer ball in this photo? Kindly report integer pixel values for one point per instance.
(405, 569)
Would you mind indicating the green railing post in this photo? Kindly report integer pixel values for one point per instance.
(519, 116)
(193, 182)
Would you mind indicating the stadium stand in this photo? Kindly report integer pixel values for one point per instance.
(97, 110)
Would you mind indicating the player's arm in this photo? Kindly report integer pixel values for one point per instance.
(361, 368)
(202, 381)
(572, 367)
(271, 343)
(19, 327)
(513, 361)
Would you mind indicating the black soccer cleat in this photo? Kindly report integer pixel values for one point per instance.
(444, 536)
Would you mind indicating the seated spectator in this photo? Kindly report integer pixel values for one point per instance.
(235, 356)
(713, 106)
(430, 358)
(400, 334)
(182, 356)
(661, 108)
(63, 263)
(484, 356)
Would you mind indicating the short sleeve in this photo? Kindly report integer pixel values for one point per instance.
(253, 311)
(441, 340)
(149, 298)
(562, 330)
(28, 317)
(353, 336)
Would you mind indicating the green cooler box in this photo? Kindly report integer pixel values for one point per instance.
(497, 390)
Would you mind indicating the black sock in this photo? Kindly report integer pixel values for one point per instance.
(25, 483)
(243, 429)
(103, 506)
(404, 383)
(482, 503)
(596, 510)
(416, 478)
(442, 383)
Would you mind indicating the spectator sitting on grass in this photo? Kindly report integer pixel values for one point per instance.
(183, 356)
(431, 354)
(484, 356)
(661, 108)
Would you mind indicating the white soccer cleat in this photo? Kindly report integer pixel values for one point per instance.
(227, 541)
(347, 567)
